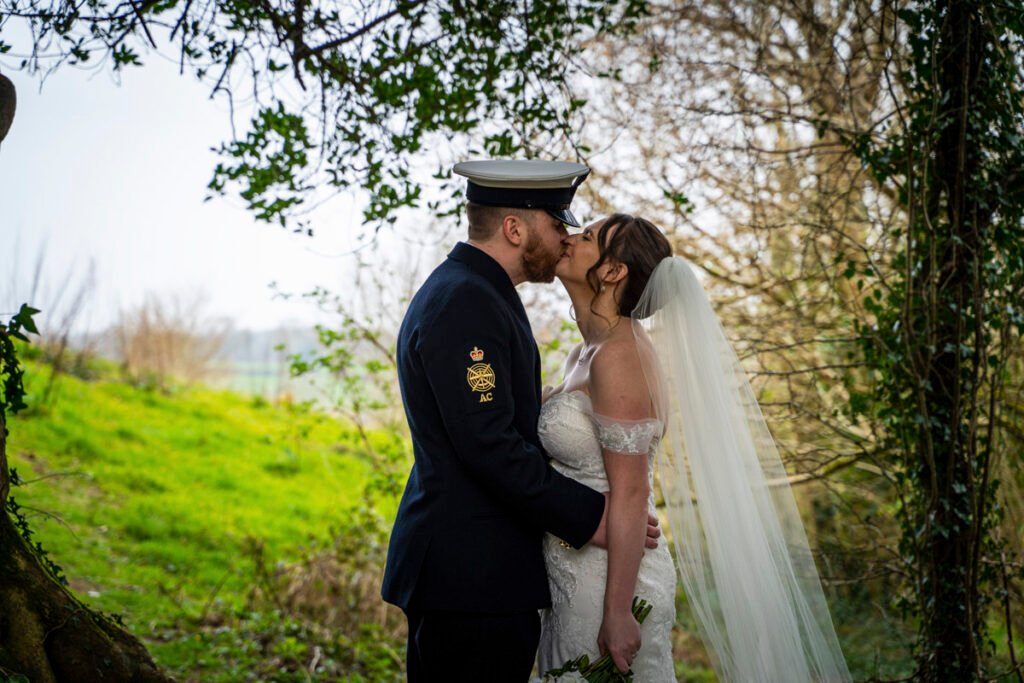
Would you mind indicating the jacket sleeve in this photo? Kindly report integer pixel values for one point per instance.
(467, 361)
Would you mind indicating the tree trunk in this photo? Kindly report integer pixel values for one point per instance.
(46, 634)
(948, 452)
(8, 103)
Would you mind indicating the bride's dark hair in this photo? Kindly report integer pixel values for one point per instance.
(637, 244)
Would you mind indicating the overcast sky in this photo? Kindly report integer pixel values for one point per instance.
(116, 173)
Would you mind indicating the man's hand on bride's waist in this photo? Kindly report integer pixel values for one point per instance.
(600, 537)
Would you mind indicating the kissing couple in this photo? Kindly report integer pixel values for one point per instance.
(528, 523)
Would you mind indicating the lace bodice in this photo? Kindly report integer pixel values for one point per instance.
(573, 436)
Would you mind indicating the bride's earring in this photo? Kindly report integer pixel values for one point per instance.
(572, 312)
(602, 286)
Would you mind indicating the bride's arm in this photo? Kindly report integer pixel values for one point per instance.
(616, 394)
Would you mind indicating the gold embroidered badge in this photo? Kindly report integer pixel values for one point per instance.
(480, 376)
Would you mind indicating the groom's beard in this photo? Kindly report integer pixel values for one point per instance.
(538, 263)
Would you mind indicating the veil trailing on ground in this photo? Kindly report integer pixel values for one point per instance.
(739, 542)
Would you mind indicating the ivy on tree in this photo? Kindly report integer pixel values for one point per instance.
(11, 372)
(948, 319)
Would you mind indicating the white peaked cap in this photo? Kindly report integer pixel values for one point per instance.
(524, 183)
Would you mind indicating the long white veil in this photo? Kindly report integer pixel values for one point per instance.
(739, 542)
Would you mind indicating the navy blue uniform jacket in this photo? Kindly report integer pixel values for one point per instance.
(481, 494)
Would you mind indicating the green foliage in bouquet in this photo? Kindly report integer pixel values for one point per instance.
(603, 670)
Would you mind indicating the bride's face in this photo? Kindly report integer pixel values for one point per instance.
(581, 253)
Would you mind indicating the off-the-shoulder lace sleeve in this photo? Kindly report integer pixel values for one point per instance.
(633, 437)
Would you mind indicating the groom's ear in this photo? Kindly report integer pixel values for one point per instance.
(514, 229)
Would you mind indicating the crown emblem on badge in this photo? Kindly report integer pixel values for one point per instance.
(476, 354)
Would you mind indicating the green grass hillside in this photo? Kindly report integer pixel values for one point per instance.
(152, 503)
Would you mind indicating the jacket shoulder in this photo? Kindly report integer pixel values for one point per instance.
(454, 290)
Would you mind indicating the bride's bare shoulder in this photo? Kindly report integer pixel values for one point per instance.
(617, 379)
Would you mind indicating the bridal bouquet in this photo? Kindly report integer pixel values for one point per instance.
(604, 669)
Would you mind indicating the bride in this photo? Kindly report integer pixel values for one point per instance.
(656, 379)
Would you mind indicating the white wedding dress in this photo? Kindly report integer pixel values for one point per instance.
(573, 436)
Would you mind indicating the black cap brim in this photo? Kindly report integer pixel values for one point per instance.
(554, 200)
(564, 215)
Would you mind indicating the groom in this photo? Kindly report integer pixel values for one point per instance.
(465, 561)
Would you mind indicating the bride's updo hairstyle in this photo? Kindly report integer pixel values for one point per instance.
(635, 243)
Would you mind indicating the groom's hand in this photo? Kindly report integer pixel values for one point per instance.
(600, 537)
